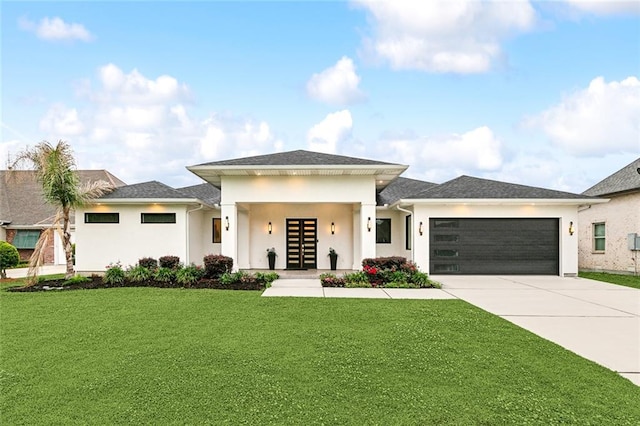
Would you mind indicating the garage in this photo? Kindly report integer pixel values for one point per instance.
(526, 246)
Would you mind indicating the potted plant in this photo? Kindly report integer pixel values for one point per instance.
(333, 258)
(271, 255)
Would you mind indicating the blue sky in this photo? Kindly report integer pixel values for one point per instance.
(538, 93)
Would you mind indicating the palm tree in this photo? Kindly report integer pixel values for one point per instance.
(55, 169)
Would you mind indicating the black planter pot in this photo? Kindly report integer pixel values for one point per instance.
(272, 261)
(333, 258)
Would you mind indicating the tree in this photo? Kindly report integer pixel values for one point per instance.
(55, 170)
(9, 258)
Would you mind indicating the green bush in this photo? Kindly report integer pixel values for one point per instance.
(138, 274)
(77, 279)
(148, 262)
(9, 257)
(114, 274)
(400, 284)
(330, 280)
(356, 279)
(266, 278)
(189, 275)
(164, 275)
(421, 279)
(357, 284)
(215, 265)
(171, 262)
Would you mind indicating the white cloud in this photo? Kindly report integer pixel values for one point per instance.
(461, 36)
(62, 121)
(600, 119)
(334, 129)
(224, 134)
(336, 85)
(608, 7)
(55, 29)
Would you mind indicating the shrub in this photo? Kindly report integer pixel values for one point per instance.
(9, 257)
(114, 274)
(189, 275)
(171, 262)
(422, 280)
(164, 275)
(330, 280)
(356, 279)
(357, 284)
(229, 278)
(215, 265)
(385, 263)
(77, 279)
(148, 262)
(400, 284)
(266, 278)
(395, 276)
(138, 274)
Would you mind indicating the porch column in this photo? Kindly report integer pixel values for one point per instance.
(229, 243)
(367, 232)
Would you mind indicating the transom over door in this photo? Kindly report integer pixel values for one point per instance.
(302, 243)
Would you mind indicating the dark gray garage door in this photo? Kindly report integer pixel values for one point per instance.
(494, 246)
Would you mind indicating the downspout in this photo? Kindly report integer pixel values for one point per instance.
(186, 224)
(412, 225)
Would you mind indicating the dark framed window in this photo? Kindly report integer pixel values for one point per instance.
(450, 238)
(102, 218)
(445, 223)
(217, 230)
(26, 239)
(407, 232)
(383, 231)
(446, 253)
(440, 267)
(157, 218)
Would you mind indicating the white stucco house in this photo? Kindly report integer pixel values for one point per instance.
(606, 228)
(303, 203)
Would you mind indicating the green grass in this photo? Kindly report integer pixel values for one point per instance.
(172, 356)
(625, 280)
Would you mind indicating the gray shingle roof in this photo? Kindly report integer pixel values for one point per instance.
(21, 199)
(467, 187)
(151, 189)
(297, 158)
(625, 179)
(401, 188)
(205, 192)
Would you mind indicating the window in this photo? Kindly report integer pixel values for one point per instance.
(157, 218)
(450, 238)
(446, 253)
(407, 232)
(217, 230)
(26, 239)
(102, 218)
(383, 231)
(439, 267)
(445, 223)
(598, 236)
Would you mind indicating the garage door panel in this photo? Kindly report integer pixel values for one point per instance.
(494, 246)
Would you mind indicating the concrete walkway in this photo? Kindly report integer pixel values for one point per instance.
(596, 320)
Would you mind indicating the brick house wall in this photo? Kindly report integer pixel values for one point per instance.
(25, 254)
(621, 216)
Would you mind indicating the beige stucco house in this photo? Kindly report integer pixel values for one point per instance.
(605, 228)
(303, 203)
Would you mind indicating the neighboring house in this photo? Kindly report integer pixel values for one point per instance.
(24, 213)
(605, 228)
(303, 203)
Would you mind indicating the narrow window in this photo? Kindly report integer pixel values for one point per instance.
(450, 238)
(217, 230)
(598, 236)
(445, 223)
(407, 232)
(157, 218)
(440, 267)
(102, 218)
(446, 253)
(26, 239)
(383, 231)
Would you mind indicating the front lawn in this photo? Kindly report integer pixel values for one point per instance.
(175, 356)
(625, 280)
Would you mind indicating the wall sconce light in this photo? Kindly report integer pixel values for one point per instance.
(333, 228)
(571, 230)
(269, 228)
(226, 223)
(420, 230)
(369, 224)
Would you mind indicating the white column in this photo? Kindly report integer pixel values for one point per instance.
(367, 232)
(421, 242)
(229, 243)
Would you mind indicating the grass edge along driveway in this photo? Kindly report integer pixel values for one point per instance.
(169, 356)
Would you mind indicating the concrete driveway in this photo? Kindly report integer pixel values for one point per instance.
(596, 320)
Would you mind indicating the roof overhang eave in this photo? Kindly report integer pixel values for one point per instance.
(502, 201)
(174, 201)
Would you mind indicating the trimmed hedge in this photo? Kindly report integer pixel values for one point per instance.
(171, 262)
(216, 265)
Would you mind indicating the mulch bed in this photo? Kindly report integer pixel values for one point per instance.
(96, 282)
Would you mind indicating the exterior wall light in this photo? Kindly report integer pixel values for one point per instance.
(333, 228)
(226, 223)
(269, 228)
(369, 224)
(571, 229)
(420, 230)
